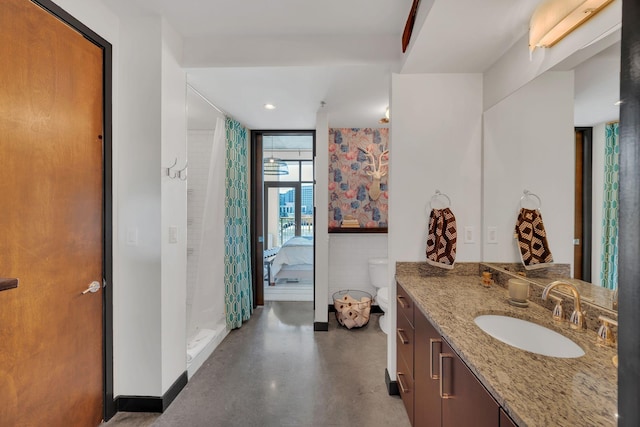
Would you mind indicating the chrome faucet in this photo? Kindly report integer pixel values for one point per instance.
(576, 321)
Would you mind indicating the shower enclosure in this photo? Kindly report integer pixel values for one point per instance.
(206, 326)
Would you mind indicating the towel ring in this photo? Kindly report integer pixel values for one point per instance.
(528, 195)
(435, 198)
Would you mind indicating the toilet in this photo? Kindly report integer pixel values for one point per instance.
(378, 271)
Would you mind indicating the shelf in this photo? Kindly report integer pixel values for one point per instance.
(361, 230)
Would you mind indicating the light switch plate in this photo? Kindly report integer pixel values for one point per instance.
(492, 235)
(173, 234)
(468, 234)
(132, 236)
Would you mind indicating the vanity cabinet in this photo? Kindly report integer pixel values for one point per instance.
(442, 389)
(405, 333)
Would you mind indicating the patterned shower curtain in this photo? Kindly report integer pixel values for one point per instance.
(237, 259)
(609, 272)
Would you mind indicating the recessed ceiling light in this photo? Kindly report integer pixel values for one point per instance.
(269, 106)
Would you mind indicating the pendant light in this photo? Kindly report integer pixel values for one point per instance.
(273, 165)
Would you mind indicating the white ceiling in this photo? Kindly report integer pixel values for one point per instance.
(467, 36)
(296, 54)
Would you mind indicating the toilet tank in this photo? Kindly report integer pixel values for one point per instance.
(378, 271)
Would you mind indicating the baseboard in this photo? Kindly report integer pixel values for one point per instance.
(392, 386)
(152, 403)
(375, 309)
(320, 326)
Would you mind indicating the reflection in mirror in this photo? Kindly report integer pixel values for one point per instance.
(530, 143)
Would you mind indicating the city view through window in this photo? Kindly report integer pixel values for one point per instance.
(288, 198)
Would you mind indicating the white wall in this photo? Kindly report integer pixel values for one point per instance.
(137, 308)
(529, 144)
(348, 261)
(173, 209)
(436, 136)
(436, 132)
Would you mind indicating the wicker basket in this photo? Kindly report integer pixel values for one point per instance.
(352, 308)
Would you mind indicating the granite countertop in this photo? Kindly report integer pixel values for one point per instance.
(534, 390)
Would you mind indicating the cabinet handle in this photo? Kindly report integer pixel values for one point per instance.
(433, 370)
(446, 373)
(8, 283)
(403, 388)
(403, 339)
(401, 301)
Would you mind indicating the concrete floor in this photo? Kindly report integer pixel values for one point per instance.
(276, 371)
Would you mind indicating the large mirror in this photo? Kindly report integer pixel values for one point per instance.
(549, 137)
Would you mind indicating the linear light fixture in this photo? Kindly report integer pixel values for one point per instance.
(555, 19)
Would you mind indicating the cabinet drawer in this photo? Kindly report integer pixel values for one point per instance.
(404, 304)
(405, 385)
(404, 343)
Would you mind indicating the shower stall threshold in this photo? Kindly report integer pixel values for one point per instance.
(202, 346)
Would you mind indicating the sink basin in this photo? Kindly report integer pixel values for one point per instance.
(528, 336)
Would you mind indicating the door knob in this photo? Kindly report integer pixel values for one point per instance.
(93, 288)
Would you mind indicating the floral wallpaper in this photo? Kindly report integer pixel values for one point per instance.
(349, 183)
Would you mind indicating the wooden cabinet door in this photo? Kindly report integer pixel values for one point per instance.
(406, 387)
(465, 402)
(428, 346)
(505, 420)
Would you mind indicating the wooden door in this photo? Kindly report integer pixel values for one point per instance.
(51, 223)
(257, 223)
(578, 226)
(583, 200)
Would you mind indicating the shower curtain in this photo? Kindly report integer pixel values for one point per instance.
(207, 299)
(609, 272)
(237, 260)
